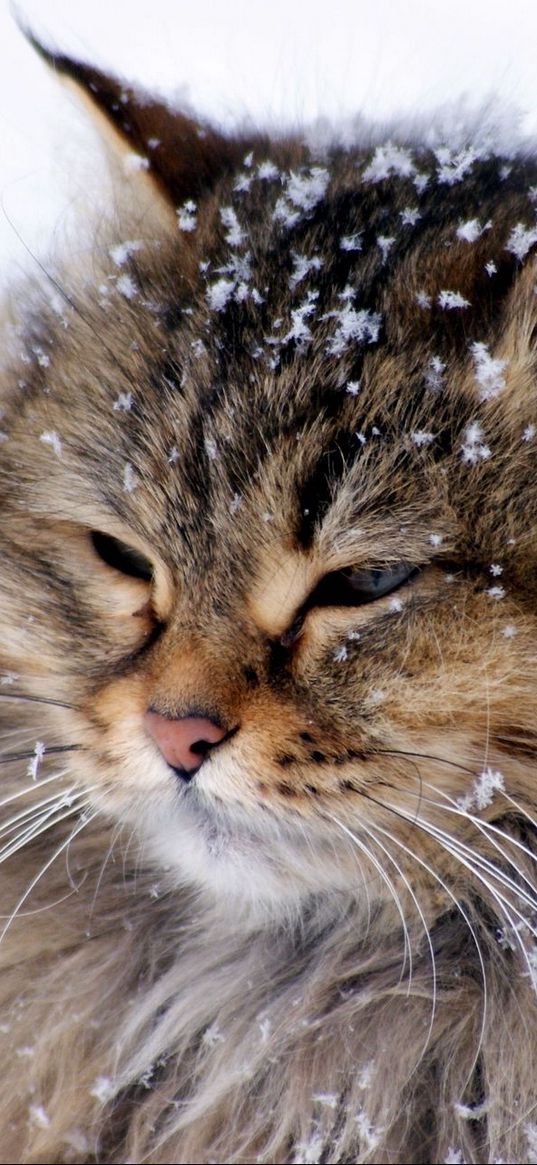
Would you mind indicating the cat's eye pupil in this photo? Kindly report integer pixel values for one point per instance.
(121, 557)
(349, 588)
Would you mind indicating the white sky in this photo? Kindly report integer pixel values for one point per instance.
(266, 60)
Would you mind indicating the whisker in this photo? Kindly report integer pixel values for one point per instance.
(44, 822)
(35, 699)
(50, 750)
(39, 784)
(387, 881)
(86, 820)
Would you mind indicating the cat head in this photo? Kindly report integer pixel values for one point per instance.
(269, 507)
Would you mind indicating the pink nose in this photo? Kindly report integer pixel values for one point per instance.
(185, 742)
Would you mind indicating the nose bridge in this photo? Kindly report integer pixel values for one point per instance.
(194, 674)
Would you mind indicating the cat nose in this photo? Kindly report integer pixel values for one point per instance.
(184, 742)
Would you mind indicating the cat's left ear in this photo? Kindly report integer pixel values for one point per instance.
(184, 156)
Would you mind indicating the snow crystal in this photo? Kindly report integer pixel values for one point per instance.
(421, 438)
(509, 631)
(489, 782)
(452, 299)
(306, 190)
(453, 164)
(302, 267)
(353, 387)
(133, 162)
(496, 569)
(130, 481)
(264, 1030)
(50, 437)
(309, 1152)
(471, 230)
(454, 1157)
(33, 767)
(103, 1089)
(385, 244)
(369, 1134)
(491, 267)
(351, 242)
(496, 593)
(434, 377)
(123, 402)
(126, 286)
(529, 433)
(198, 349)
(299, 331)
(235, 503)
(387, 160)
(488, 371)
(235, 235)
(186, 216)
(219, 293)
(361, 326)
(39, 1116)
(243, 183)
(395, 604)
(436, 539)
(212, 1035)
(211, 448)
(121, 252)
(473, 449)
(153, 143)
(340, 654)
(330, 1099)
(267, 170)
(422, 299)
(409, 216)
(520, 240)
(471, 1112)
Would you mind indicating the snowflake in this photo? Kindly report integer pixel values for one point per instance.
(454, 1157)
(33, 767)
(299, 330)
(351, 242)
(423, 300)
(453, 165)
(489, 782)
(267, 171)
(520, 240)
(306, 190)
(362, 326)
(509, 631)
(187, 217)
(488, 371)
(123, 402)
(496, 569)
(219, 293)
(235, 235)
(340, 654)
(434, 377)
(39, 1116)
(127, 287)
(302, 267)
(130, 481)
(491, 267)
(471, 230)
(103, 1089)
(421, 438)
(436, 539)
(473, 449)
(353, 387)
(121, 252)
(211, 448)
(529, 433)
(385, 244)
(50, 437)
(387, 160)
(409, 216)
(496, 592)
(448, 300)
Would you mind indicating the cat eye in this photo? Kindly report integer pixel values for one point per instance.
(351, 588)
(126, 559)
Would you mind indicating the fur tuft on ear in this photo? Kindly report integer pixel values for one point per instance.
(184, 156)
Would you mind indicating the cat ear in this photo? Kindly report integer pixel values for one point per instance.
(183, 156)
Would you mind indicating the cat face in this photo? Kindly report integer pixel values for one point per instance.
(270, 510)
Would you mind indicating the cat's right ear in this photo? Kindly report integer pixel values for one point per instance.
(182, 155)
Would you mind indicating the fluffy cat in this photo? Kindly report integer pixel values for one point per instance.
(269, 672)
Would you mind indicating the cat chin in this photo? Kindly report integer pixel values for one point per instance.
(261, 870)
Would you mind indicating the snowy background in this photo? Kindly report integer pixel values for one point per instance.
(263, 61)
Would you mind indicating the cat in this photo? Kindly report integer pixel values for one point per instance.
(268, 650)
